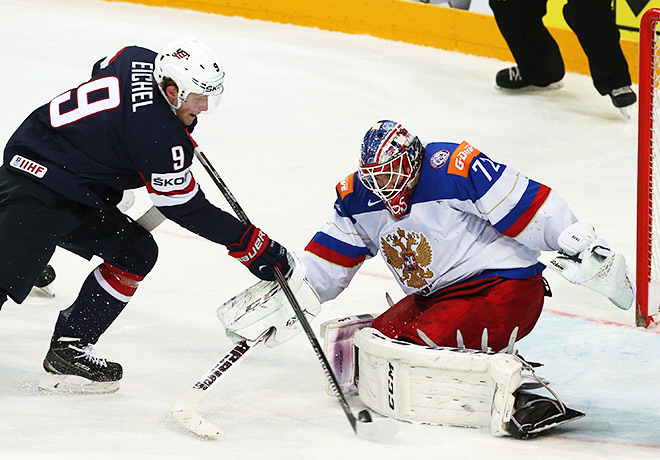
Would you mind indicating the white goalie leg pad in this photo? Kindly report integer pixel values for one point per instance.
(446, 386)
(264, 307)
(337, 335)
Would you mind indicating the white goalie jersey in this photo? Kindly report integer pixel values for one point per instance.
(469, 217)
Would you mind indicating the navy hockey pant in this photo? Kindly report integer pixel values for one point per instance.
(35, 220)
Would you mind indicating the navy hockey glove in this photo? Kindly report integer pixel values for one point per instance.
(260, 254)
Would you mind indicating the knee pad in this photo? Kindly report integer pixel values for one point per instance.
(137, 258)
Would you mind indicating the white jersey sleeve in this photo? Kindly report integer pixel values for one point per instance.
(516, 206)
(334, 255)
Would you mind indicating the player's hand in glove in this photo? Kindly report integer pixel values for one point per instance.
(260, 254)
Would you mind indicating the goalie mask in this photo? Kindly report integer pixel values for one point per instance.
(390, 162)
(194, 68)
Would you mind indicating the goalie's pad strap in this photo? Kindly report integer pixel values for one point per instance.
(446, 386)
(535, 414)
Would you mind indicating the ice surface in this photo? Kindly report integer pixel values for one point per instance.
(296, 105)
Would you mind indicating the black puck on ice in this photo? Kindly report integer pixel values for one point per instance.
(364, 416)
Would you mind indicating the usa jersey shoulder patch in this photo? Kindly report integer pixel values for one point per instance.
(459, 163)
(345, 186)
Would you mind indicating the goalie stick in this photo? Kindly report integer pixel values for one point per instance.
(184, 409)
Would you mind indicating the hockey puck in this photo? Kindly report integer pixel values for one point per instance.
(364, 416)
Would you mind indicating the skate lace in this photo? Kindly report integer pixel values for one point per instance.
(514, 74)
(89, 354)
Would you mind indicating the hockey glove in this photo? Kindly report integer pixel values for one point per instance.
(260, 254)
(263, 310)
(588, 261)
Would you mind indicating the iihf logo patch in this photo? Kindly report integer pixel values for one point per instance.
(29, 166)
(439, 158)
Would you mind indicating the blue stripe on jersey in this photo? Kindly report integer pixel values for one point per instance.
(340, 247)
(525, 202)
(512, 273)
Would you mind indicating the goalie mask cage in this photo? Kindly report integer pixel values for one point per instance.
(648, 170)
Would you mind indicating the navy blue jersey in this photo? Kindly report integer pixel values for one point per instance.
(113, 133)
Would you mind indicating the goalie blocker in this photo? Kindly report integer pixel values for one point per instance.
(445, 386)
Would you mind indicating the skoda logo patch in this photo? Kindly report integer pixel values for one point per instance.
(439, 158)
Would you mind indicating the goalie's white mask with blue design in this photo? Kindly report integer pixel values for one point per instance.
(390, 162)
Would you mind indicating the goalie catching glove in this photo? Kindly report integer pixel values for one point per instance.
(263, 309)
(260, 254)
(587, 260)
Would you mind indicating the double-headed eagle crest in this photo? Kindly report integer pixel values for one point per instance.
(408, 253)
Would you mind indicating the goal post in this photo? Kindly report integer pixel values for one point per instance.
(648, 171)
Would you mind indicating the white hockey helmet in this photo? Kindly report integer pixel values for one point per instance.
(193, 67)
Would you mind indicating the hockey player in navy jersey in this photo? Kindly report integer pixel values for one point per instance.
(66, 167)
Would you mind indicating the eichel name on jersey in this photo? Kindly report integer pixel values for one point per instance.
(469, 217)
(117, 132)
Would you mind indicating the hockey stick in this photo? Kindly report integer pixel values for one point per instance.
(184, 408)
(362, 424)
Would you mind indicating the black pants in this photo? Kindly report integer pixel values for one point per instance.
(35, 220)
(537, 54)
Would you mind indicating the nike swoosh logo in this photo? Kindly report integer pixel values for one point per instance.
(372, 203)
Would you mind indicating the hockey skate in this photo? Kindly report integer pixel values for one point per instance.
(510, 79)
(533, 414)
(623, 98)
(74, 368)
(43, 284)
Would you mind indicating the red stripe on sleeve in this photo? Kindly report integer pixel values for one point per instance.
(333, 256)
(527, 216)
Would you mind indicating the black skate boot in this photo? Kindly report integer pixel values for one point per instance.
(42, 286)
(623, 98)
(77, 369)
(510, 79)
(46, 277)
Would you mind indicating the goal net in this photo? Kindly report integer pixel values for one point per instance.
(648, 170)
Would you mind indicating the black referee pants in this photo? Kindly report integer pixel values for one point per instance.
(537, 54)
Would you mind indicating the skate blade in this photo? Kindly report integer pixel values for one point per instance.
(625, 111)
(531, 88)
(45, 291)
(73, 384)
